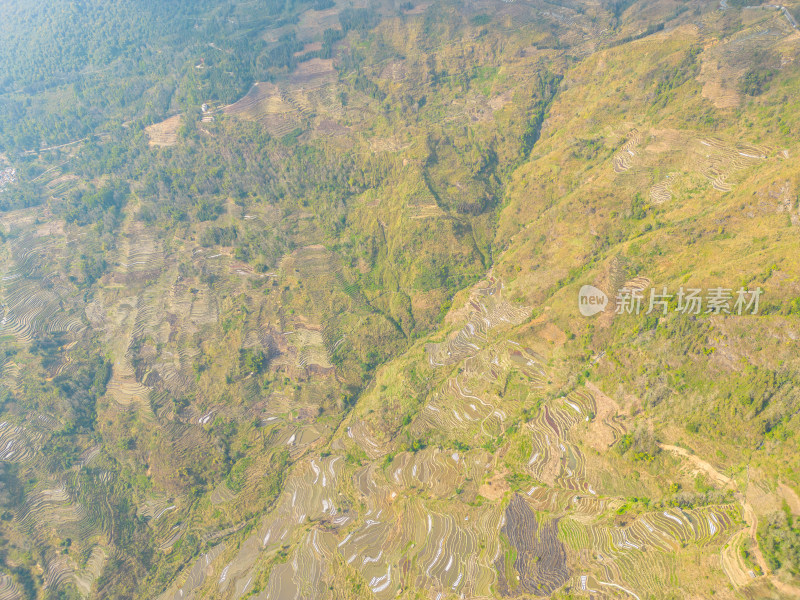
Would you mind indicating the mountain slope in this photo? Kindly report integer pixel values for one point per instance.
(325, 340)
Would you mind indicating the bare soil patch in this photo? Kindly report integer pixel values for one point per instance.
(164, 133)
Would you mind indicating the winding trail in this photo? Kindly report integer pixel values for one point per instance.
(732, 563)
(49, 148)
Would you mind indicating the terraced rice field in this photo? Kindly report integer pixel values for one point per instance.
(312, 74)
(424, 206)
(308, 343)
(222, 494)
(540, 561)
(268, 105)
(724, 64)
(395, 520)
(196, 575)
(9, 376)
(391, 522)
(718, 161)
(462, 405)
(310, 90)
(313, 22)
(60, 186)
(399, 541)
(395, 71)
(18, 444)
(661, 192)
(623, 160)
(125, 389)
(311, 351)
(636, 285)
(54, 507)
(170, 320)
(85, 578)
(492, 478)
(140, 254)
(33, 298)
(488, 310)
(364, 546)
(164, 133)
(9, 590)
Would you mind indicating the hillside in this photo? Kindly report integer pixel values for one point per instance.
(290, 300)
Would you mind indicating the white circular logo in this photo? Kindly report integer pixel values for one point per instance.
(591, 300)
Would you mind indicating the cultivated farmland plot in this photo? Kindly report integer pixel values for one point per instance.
(393, 519)
(310, 90)
(269, 386)
(623, 160)
(9, 590)
(488, 311)
(34, 295)
(58, 507)
(720, 162)
(164, 133)
(725, 63)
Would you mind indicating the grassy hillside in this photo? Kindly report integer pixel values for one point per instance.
(313, 330)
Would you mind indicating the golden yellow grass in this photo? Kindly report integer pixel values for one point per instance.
(719, 84)
(164, 133)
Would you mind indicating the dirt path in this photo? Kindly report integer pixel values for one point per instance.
(791, 498)
(47, 149)
(602, 430)
(732, 562)
(700, 464)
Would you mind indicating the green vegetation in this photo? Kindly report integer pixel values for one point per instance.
(779, 539)
(61, 61)
(757, 79)
(320, 333)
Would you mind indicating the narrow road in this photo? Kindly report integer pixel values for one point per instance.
(55, 147)
(731, 559)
